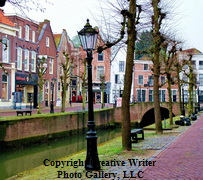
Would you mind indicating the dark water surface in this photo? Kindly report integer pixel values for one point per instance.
(15, 161)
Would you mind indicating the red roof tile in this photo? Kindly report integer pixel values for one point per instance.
(192, 51)
(4, 19)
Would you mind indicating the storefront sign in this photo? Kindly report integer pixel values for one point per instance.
(26, 79)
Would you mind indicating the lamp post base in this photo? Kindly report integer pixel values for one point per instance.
(92, 159)
(183, 112)
(52, 108)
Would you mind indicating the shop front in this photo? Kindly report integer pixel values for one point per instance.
(25, 95)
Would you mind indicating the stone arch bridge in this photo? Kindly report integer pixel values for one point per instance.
(144, 112)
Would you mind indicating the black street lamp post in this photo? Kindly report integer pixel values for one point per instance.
(88, 38)
(52, 95)
(183, 103)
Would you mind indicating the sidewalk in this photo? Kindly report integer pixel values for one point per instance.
(182, 159)
(73, 107)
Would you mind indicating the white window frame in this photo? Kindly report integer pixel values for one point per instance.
(162, 95)
(20, 32)
(33, 61)
(26, 59)
(27, 32)
(100, 72)
(51, 65)
(121, 66)
(140, 78)
(19, 58)
(5, 50)
(33, 36)
(47, 42)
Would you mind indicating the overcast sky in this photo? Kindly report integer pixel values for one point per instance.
(72, 14)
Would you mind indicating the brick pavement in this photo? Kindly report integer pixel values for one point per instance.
(182, 159)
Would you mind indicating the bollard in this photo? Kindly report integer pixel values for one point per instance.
(193, 117)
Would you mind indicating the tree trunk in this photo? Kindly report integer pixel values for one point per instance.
(170, 100)
(39, 111)
(63, 97)
(190, 88)
(157, 109)
(126, 123)
(156, 62)
(179, 89)
(190, 100)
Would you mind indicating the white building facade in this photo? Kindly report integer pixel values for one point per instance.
(118, 65)
(197, 63)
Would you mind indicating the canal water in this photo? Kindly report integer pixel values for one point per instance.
(15, 161)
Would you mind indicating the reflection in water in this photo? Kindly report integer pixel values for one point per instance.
(13, 162)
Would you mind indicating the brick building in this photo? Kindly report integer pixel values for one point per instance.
(48, 50)
(7, 59)
(25, 58)
(143, 83)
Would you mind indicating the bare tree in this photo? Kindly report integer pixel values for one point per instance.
(157, 19)
(27, 5)
(130, 13)
(83, 78)
(41, 71)
(67, 67)
(169, 59)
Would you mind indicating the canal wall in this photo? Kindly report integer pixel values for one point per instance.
(23, 130)
(32, 129)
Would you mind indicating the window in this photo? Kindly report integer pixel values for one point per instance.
(150, 80)
(4, 87)
(33, 36)
(100, 72)
(47, 41)
(26, 60)
(19, 58)
(185, 78)
(51, 66)
(194, 64)
(100, 56)
(151, 97)
(27, 33)
(33, 61)
(116, 78)
(200, 64)
(163, 80)
(185, 92)
(146, 66)
(201, 79)
(20, 32)
(141, 95)
(162, 95)
(174, 97)
(140, 79)
(5, 50)
(121, 66)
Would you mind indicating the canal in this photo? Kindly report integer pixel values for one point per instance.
(15, 161)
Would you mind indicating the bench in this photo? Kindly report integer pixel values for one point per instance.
(26, 112)
(134, 135)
